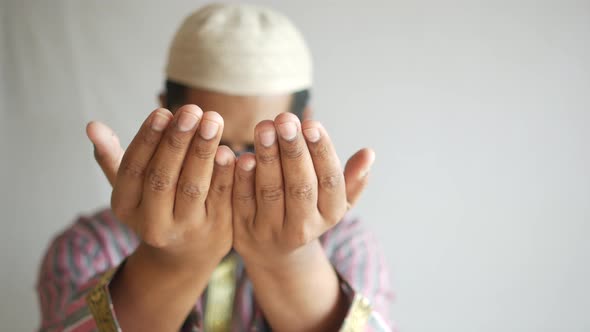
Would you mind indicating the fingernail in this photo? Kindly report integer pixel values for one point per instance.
(288, 130)
(159, 122)
(248, 165)
(267, 138)
(209, 129)
(366, 171)
(312, 134)
(222, 159)
(186, 121)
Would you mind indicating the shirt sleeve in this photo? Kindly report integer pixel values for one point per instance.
(102, 313)
(74, 264)
(364, 276)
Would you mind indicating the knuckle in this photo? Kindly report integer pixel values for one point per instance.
(175, 143)
(292, 150)
(160, 179)
(194, 191)
(272, 193)
(244, 177)
(321, 152)
(330, 182)
(133, 169)
(333, 216)
(150, 138)
(154, 238)
(302, 191)
(222, 188)
(299, 237)
(204, 150)
(267, 158)
(244, 197)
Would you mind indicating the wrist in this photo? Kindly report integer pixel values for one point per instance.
(175, 264)
(300, 261)
(307, 283)
(151, 285)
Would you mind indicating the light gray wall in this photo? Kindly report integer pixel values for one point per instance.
(478, 110)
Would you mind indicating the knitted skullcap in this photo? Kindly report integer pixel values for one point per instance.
(241, 50)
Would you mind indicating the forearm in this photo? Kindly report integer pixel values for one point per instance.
(150, 294)
(302, 296)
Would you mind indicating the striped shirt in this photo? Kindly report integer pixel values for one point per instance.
(81, 260)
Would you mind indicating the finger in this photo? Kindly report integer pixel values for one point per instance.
(159, 189)
(107, 149)
(219, 199)
(269, 178)
(356, 174)
(298, 172)
(331, 187)
(129, 180)
(244, 195)
(195, 179)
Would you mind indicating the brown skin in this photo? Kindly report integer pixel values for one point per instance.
(181, 206)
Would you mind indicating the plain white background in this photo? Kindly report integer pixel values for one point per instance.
(478, 110)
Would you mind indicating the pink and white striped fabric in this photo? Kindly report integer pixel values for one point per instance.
(78, 257)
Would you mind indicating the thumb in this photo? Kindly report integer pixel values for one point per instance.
(107, 148)
(356, 174)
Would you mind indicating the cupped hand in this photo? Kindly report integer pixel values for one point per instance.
(173, 184)
(291, 191)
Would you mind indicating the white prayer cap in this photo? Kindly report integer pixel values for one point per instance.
(241, 50)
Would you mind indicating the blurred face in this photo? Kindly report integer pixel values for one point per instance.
(240, 113)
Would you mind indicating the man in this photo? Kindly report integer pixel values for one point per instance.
(201, 240)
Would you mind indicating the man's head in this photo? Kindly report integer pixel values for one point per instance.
(247, 63)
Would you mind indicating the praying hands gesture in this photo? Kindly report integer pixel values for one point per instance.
(190, 202)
